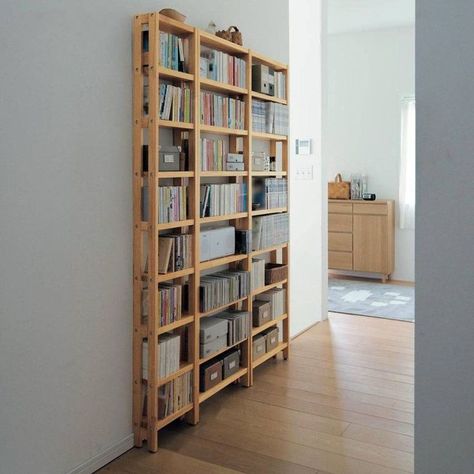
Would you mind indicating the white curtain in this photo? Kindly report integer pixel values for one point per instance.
(407, 165)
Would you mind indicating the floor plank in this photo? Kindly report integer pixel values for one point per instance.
(342, 404)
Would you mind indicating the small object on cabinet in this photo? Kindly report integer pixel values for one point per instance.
(369, 197)
(231, 34)
(356, 186)
(211, 28)
(339, 189)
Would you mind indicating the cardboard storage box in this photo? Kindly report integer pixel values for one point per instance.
(213, 346)
(210, 374)
(211, 328)
(231, 363)
(271, 338)
(258, 343)
(262, 312)
(169, 158)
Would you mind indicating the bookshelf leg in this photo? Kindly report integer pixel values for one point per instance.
(286, 353)
(192, 418)
(153, 441)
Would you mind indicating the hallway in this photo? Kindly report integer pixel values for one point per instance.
(342, 404)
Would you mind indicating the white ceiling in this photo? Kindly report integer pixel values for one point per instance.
(362, 15)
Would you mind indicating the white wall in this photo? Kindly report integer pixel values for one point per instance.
(368, 73)
(66, 207)
(308, 247)
(444, 390)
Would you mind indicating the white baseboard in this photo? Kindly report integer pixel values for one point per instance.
(103, 458)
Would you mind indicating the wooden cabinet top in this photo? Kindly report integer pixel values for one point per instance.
(357, 201)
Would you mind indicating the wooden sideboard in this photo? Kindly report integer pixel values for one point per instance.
(361, 236)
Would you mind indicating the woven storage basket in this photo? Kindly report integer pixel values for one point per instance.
(275, 272)
(229, 35)
(339, 189)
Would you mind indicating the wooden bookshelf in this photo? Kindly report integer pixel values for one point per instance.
(146, 128)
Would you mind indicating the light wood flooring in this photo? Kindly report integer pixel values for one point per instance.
(342, 403)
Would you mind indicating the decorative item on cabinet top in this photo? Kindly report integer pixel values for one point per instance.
(231, 34)
(173, 14)
(339, 189)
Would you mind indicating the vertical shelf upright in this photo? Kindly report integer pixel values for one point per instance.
(146, 233)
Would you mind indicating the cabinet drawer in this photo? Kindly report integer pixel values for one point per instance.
(340, 223)
(340, 242)
(340, 260)
(340, 207)
(373, 209)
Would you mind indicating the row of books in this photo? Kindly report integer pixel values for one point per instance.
(223, 199)
(237, 325)
(213, 154)
(221, 288)
(170, 299)
(268, 231)
(172, 203)
(258, 273)
(169, 351)
(277, 299)
(175, 102)
(174, 51)
(222, 67)
(175, 252)
(175, 395)
(222, 111)
(268, 117)
(280, 85)
(270, 193)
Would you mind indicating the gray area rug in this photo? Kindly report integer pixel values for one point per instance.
(366, 298)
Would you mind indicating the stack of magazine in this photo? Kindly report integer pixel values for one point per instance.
(280, 85)
(237, 325)
(270, 193)
(169, 347)
(223, 199)
(173, 51)
(175, 395)
(258, 273)
(169, 303)
(213, 153)
(172, 203)
(218, 289)
(222, 111)
(175, 252)
(268, 231)
(277, 298)
(175, 103)
(222, 67)
(268, 117)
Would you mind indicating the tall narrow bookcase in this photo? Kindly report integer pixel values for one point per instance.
(146, 131)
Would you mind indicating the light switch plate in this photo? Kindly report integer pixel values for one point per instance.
(304, 173)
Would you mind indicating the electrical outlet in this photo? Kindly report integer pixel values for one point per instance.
(304, 173)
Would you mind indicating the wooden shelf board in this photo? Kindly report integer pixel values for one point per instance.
(268, 287)
(175, 174)
(172, 74)
(217, 388)
(208, 39)
(269, 173)
(183, 369)
(262, 59)
(223, 130)
(173, 275)
(268, 249)
(174, 416)
(268, 98)
(175, 224)
(271, 323)
(176, 324)
(222, 261)
(228, 217)
(221, 308)
(220, 351)
(269, 136)
(222, 174)
(169, 25)
(175, 124)
(262, 212)
(269, 355)
(210, 84)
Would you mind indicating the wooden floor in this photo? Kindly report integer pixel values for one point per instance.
(343, 403)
